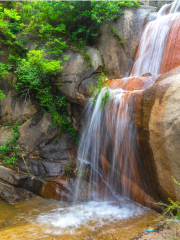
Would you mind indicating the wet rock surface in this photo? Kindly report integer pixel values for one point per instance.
(156, 118)
(13, 194)
(59, 187)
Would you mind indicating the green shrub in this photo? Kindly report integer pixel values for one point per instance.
(96, 89)
(2, 95)
(34, 77)
(10, 161)
(117, 36)
(10, 146)
(172, 210)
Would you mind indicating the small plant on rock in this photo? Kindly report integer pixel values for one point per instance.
(2, 95)
(9, 147)
(172, 211)
(96, 89)
(10, 161)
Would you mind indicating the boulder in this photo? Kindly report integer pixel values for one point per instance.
(40, 138)
(13, 109)
(118, 57)
(60, 188)
(13, 177)
(13, 184)
(42, 167)
(85, 86)
(12, 194)
(75, 70)
(4, 133)
(156, 117)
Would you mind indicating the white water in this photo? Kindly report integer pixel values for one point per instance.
(104, 147)
(69, 218)
(108, 142)
(154, 39)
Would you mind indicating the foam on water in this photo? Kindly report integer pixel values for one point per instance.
(68, 218)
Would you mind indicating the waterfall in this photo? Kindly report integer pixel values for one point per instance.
(109, 140)
(153, 41)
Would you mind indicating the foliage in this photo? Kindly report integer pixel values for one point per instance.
(173, 238)
(7, 17)
(96, 89)
(34, 77)
(55, 26)
(60, 24)
(10, 161)
(37, 58)
(10, 146)
(3, 70)
(172, 210)
(87, 57)
(2, 95)
(105, 98)
(117, 36)
(69, 169)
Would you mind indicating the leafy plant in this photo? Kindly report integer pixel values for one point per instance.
(172, 210)
(173, 238)
(2, 95)
(3, 70)
(59, 24)
(96, 89)
(87, 57)
(69, 169)
(10, 161)
(117, 36)
(34, 77)
(10, 146)
(105, 98)
(55, 26)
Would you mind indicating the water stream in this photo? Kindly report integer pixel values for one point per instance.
(40, 218)
(109, 146)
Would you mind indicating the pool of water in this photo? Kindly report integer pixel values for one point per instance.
(40, 218)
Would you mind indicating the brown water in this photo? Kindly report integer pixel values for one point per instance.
(40, 218)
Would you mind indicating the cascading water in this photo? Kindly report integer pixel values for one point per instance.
(153, 41)
(109, 141)
(109, 147)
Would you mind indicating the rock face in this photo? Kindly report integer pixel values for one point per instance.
(119, 58)
(47, 151)
(12, 109)
(18, 186)
(171, 57)
(156, 115)
(37, 136)
(12, 194)
(75, 70)
(116, 58)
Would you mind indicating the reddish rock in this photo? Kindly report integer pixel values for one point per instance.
(171, 58)
(155, 113)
